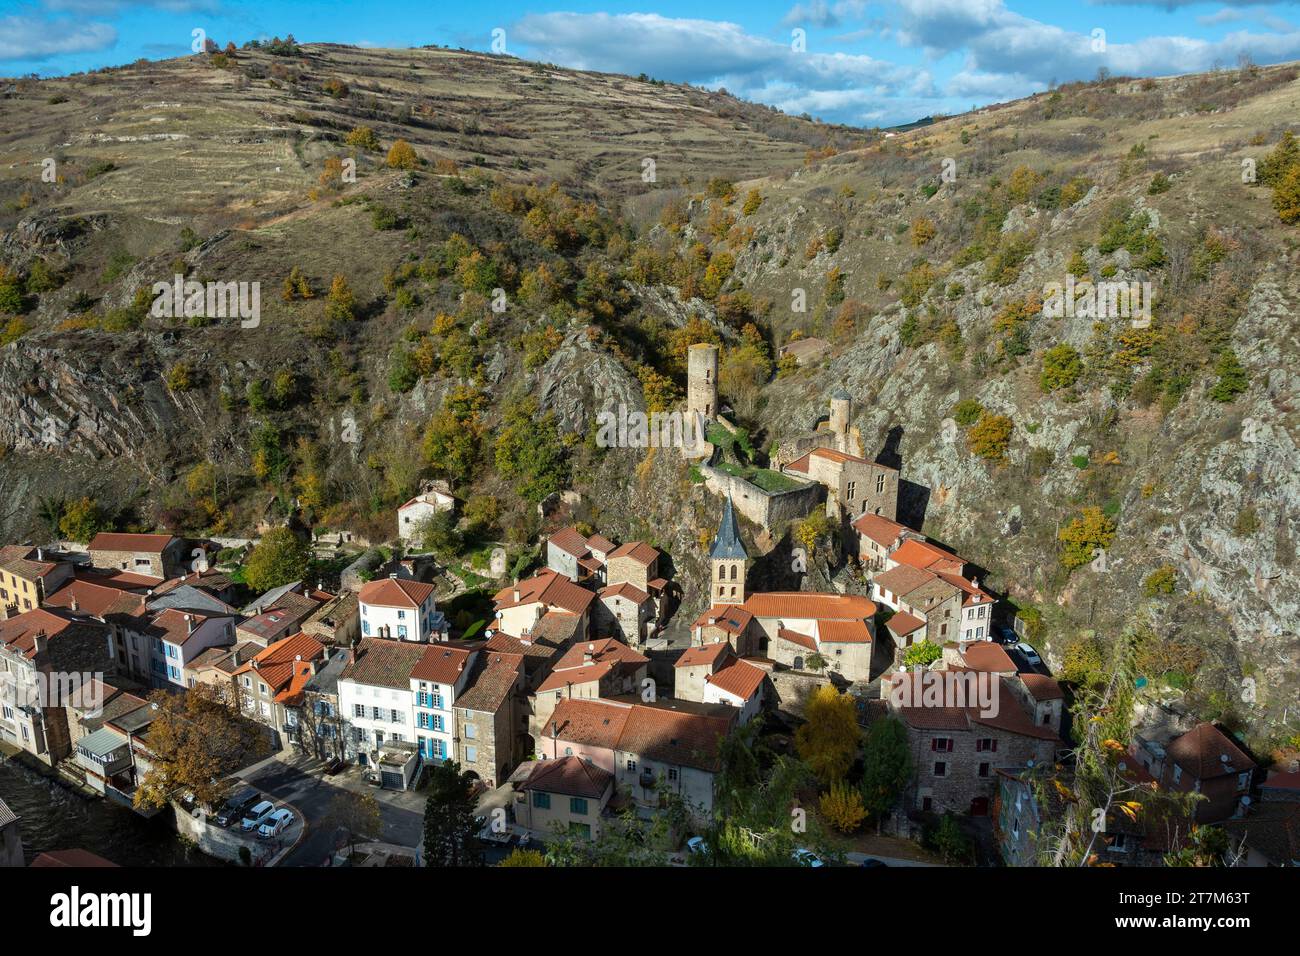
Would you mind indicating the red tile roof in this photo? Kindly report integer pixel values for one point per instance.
(570, 540)
(808, 604)
(732, 618)
(926, 556)
(569, 776)
(606, 656)
(794, 637)
(96, 599)
(625, 590)
(442, 663)
(739, 678)
(1201, 750)
(395, 592)
(19, 633)
(652, 733)
(989, 656)
(143, 543)
(843, 632)
(1040, 686)
(638, 551)
(285, 666)
(383, 663)
(548, 588)
(706, 654)
(879, 529)
(903, 624)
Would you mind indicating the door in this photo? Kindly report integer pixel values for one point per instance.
(979, 807)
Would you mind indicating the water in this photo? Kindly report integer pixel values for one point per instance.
(55, 818)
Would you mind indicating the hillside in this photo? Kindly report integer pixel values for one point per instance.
(530, 180)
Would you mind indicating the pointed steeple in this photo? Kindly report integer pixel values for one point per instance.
(727, 543)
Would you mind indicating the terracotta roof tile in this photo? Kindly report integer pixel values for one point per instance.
(638, 551)
(143, 543)
(548, 588)
(395, 592)
(569, 776)
(442, 663)
(739, 678)
(1200, 752)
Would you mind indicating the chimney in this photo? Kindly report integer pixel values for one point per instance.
(392, 576)
(39, 643)
(75, 606)
(234, 655)
(516, 595)
(189, 624)
(40, 554)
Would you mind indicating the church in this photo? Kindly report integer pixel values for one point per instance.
(799, 630)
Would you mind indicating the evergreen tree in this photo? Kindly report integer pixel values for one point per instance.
(450, 833)
(1232, 377)
(887, 766)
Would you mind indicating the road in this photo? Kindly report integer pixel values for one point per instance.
(298, 781)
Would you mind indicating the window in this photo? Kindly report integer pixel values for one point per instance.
(852, 487)
(986, 744)
(984, 770)
(880, 484)
(396, 717)
(365, 627)
(358, 710)
(1119, 843)
(941, 744)
(631, 765)
(927, 803)
(471, 732)
(1178, 774)
(471, 755)
(261, 688)
(248, 682)
(672, 773)
(542, 801)
(578, 806)
(940, 769)
(401, 615)
(401, 631)
(377, 713)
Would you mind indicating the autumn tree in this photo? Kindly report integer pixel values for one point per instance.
(195, 741)
(1062, 366)
(1090, 531)
(828, 739)
(401, 155)
(990, 436)
(453, 440)
(278, 559)
(524, 858)
(356, 813)
(842, 807)
(82, 520)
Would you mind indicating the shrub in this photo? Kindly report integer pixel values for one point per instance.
(967, 412)
(1062, 366)
(401, 155)
(923, 230)
(1232, 378)
(363, 137)
(1086, 534)
(180, 377)
(842, 807)
(1160, 581)
(990, 437)
(922, 653)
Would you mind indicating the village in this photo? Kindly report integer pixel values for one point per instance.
(575, 706)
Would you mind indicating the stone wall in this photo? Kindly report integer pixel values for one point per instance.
(769, 510)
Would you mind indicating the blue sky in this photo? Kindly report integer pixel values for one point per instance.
(864, 62)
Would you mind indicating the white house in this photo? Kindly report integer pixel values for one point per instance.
(375, 695)
(737, 684)
(411, 515)
(436, 681)
(181, 636)
(400, 609)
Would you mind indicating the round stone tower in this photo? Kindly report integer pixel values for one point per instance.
(702, 381)
(841, 414)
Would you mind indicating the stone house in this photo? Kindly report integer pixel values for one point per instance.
(957, 749)
(271, 683)
(520, 607)
(854, 486)
(1204, 760)
(489, 737)
(156, 555)
(579, 558)
(713, 674)
(412, 515)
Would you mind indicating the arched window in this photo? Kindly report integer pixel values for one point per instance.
(733, 572)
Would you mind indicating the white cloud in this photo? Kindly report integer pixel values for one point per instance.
(34, 38)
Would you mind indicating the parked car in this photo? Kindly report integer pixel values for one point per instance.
(276, 823)
(871, 861)
(804, 857)
(334, 766)
(256, 816)
(236, 805)
(1006, 635)
(1031, 655)
(696, 844)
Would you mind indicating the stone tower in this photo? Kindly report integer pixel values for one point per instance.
(702, 381)
(841, 415)
(728, 558)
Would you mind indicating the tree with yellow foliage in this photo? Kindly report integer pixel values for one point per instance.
(1088, 533)
(828, 740)
(401, 155)
(842, 807)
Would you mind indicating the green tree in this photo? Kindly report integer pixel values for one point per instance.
(453, 440)
(990, 437)
(450, 833)
(529, 452)
(1233, 379)
(279, 558)
(887, 766)
(437, 533)
(953, 845)
(967, 412)
(922, 653)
